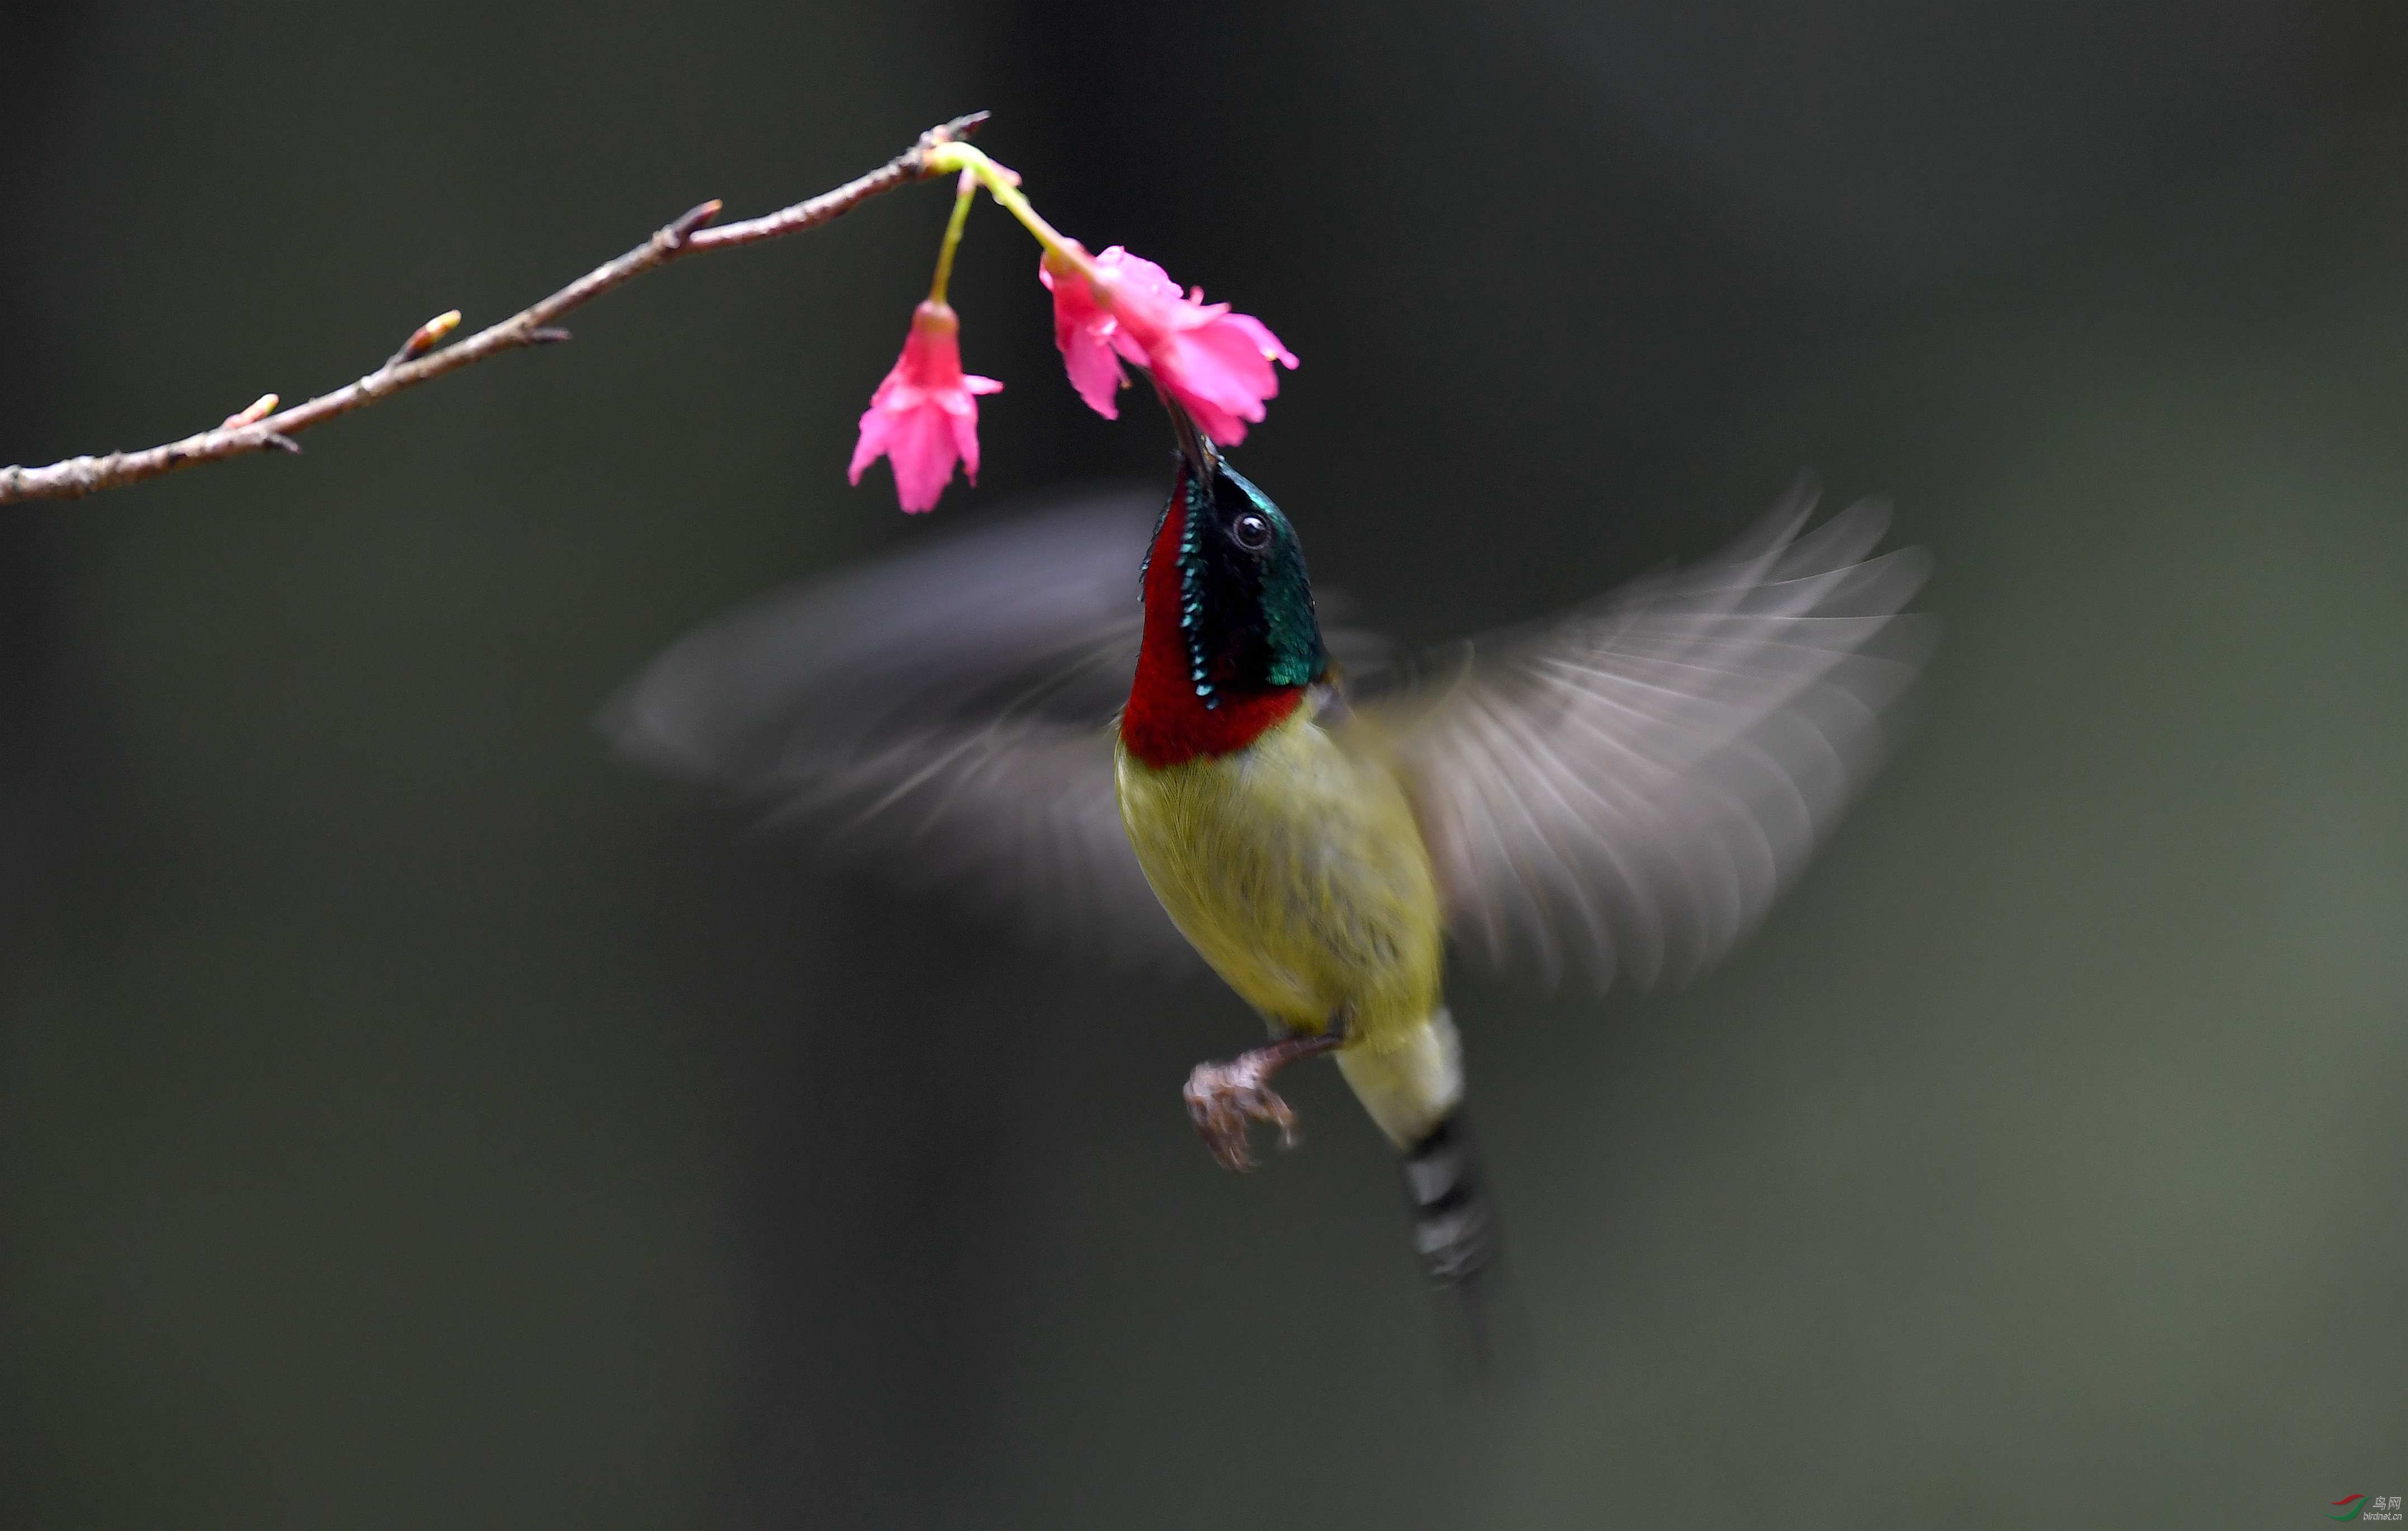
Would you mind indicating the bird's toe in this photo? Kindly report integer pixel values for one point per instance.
(1224, 1099)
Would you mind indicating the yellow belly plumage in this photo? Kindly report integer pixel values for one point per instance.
(1296, 870)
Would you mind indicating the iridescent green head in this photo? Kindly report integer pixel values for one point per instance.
(1244, 600)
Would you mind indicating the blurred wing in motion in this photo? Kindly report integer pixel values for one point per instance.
(1627, 788)
(946, 713)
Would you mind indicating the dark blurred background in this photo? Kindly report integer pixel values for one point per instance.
(409, 1116)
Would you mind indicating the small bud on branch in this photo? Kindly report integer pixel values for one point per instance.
(425, 337)
(257, 411)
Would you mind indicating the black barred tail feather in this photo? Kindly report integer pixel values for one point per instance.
(1455, 1228)
(1455, 1233)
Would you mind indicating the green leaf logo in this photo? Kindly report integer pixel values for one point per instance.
(2348, 1507)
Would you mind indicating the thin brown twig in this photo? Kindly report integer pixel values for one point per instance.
(417, 361)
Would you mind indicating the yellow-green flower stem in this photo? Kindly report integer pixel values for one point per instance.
(1004, 186)
(953, 239)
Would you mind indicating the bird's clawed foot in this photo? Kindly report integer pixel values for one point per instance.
(1226, 1098)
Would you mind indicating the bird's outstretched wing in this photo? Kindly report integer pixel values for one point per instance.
(1624, 790)
(944, 714)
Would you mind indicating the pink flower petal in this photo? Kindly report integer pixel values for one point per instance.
(872, 445)
(1137, 274)
(922, 454)
(1212, 417)
(1265, 342)
(1221, 362)
(961, 420)
(1081, 332)
(1095, 373)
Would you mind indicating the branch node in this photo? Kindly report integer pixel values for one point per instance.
(282, 442)
(956, 130)
(674, 236)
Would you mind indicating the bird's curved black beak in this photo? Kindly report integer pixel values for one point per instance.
(1202, 458)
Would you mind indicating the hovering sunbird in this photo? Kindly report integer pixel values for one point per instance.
(1620, 792)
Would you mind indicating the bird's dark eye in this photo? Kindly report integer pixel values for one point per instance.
(1253, 532)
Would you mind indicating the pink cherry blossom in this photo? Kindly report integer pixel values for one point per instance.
(1216, 362)
(924, 416)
